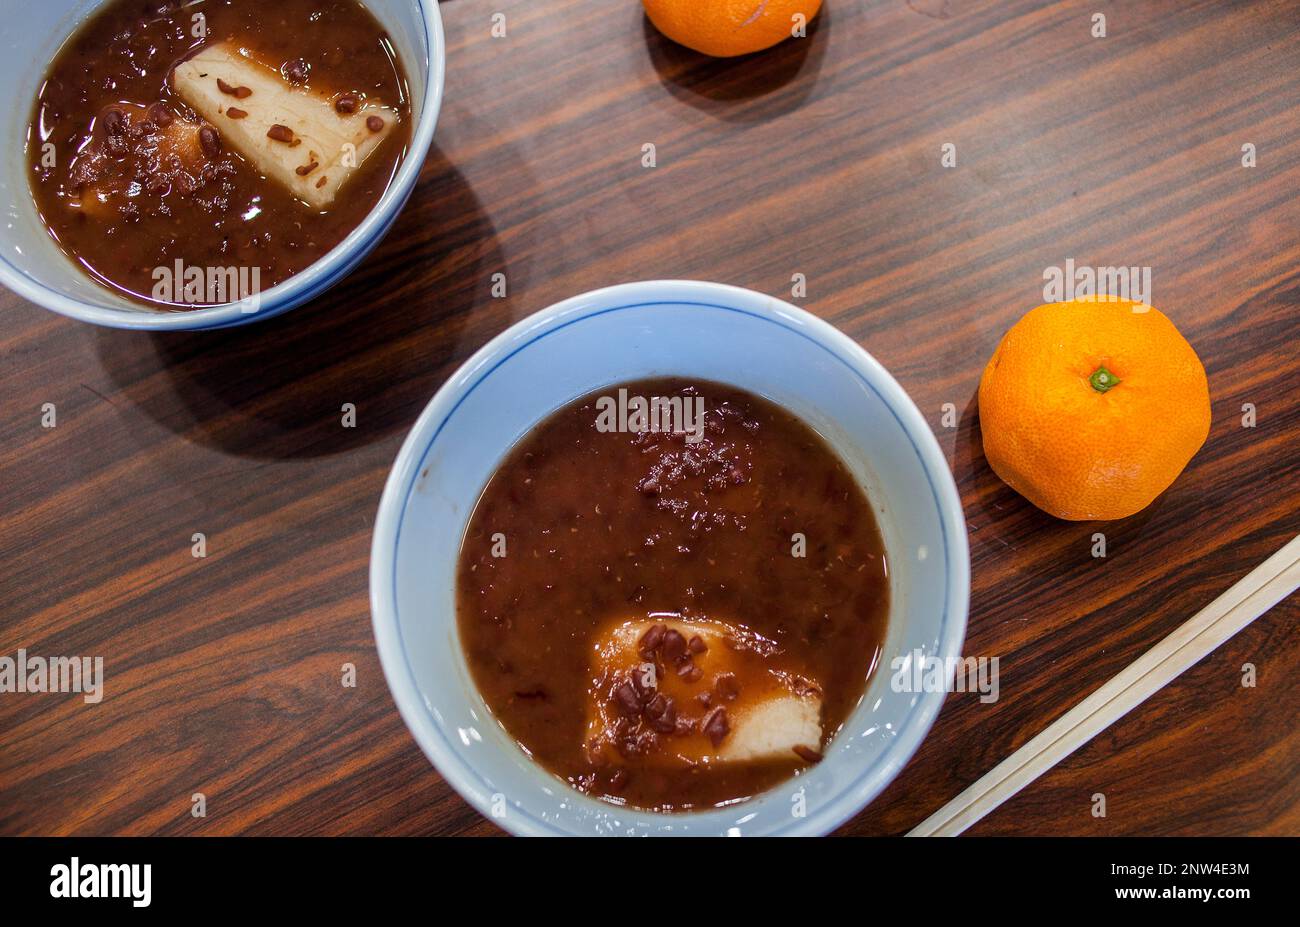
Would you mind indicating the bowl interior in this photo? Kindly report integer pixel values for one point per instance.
(32, 263)
(742, 339)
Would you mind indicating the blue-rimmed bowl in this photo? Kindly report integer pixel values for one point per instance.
(662, 328)
(33, 266)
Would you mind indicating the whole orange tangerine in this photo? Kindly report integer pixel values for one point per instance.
(1091, 408)
(725, 28)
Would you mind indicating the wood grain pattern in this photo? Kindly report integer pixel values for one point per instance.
(821, 158)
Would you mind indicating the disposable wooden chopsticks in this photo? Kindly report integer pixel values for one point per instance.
(1257, 592)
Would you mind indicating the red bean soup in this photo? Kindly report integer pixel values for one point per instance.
(671, 594)
(190, 154)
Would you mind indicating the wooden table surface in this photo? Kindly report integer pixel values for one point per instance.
(819, 158)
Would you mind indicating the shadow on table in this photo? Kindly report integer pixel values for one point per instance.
(383, 339)
(750, 88)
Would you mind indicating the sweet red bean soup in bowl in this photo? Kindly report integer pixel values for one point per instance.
(193, 154)
(603, 614)
(674, 609)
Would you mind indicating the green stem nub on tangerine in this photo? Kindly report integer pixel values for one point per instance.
(1102, 379)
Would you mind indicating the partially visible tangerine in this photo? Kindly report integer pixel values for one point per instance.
(726, 28)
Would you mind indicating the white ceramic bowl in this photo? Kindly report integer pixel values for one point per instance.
(32, 265)
(627, 332)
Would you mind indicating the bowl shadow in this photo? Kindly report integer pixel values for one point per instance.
(749, 88)
(382, 340)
